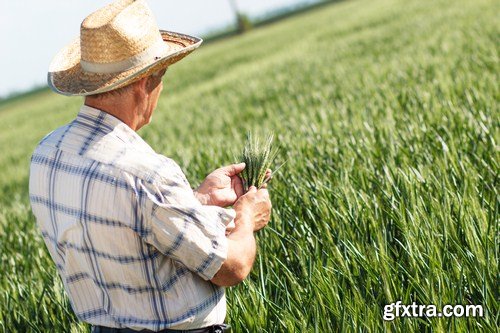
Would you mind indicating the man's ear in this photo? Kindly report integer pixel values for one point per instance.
(141, 87)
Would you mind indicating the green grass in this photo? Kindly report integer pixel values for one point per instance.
(387, 115)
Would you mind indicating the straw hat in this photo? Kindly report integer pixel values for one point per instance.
(118, 44)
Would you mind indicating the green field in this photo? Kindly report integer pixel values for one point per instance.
(387, 113)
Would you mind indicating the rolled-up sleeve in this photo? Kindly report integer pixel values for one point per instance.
(183, 229)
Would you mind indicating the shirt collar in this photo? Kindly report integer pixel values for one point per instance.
(108, 123)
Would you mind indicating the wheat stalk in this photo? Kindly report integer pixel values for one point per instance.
(258, 156)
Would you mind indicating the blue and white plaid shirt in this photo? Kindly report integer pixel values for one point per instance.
(132, 244)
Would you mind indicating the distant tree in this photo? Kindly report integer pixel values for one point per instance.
(244, 23)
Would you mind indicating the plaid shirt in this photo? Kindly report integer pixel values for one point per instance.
(132, 244)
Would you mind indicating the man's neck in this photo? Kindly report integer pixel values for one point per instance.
(118, 108)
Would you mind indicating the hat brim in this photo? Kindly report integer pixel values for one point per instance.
(67, 77)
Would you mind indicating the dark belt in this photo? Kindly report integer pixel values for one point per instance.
(220, 328)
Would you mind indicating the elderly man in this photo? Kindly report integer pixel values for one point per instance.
(135, 246)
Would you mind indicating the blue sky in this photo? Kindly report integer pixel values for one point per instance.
(32, 31)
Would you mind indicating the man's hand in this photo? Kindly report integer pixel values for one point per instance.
(256, 206)
(222, 187)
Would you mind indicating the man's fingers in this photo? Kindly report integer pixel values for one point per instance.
(237, 185)
(234, 169)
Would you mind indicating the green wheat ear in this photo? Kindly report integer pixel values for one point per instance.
(258, 156)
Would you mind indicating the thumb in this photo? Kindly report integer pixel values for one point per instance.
(234, 169)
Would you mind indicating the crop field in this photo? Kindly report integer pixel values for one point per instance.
(387, 115)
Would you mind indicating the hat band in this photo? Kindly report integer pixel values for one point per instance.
(152, 53)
